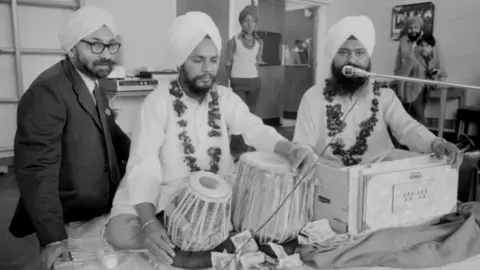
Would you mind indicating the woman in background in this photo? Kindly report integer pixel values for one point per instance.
(243, 55)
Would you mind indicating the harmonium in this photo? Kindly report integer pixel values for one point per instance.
(406, 189)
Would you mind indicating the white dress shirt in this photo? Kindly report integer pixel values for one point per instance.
(156, 165)
(311, 126)
(89, 83)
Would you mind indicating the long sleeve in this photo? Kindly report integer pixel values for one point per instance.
(260, 51)
(229, 51)
(407, 130)
(144, 171)
(121, 143)
(441, 65)
(241, 121)
(41, 117)
(305, 128)
(398, 60)
(408, 62)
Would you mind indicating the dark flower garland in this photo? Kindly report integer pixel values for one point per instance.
(213, 117)
(336, 125)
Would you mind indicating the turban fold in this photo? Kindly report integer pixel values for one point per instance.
(82, 23)
(360, 27)
(414, 20)
(248, 10)
(187, 31)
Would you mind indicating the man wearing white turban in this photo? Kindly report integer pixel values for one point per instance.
(184, 127)
(352, 114)
(68, 148)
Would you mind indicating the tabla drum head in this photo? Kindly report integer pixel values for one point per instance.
(209, 185)
(267, 161)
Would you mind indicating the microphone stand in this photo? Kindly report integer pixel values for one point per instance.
(350, 71)
(393, 77)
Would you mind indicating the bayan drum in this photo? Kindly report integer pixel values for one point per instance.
(263, 182)
(198, 217)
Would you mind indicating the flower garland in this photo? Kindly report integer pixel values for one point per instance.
(336, 125)
(213, 116)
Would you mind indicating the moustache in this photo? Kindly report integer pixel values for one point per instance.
(107, 62)
(205, 77)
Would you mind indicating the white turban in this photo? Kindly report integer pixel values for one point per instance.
(361, 27)
(187, 31)
(82, 23)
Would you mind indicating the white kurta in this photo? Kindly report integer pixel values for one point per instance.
(156, 167)
(311, 126)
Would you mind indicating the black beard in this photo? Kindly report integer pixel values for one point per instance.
(349, 85)
(413, 36)
(89, 68)
(193, 88)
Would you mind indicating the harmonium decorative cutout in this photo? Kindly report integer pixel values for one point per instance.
(406, 190)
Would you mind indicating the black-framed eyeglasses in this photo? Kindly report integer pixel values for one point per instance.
(98, 47)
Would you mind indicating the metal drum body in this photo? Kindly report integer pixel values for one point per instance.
(198, 217)
(263, 181)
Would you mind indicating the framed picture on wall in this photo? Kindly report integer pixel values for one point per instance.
(401, 13)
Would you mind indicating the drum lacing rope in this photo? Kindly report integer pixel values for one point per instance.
(299, 182)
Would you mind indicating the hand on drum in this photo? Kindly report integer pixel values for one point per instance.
(157, 241)
(302, 159)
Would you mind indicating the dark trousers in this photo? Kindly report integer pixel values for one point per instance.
(248, 89)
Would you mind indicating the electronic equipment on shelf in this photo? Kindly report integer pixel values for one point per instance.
(128, 85)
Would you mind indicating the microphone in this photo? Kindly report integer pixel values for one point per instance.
(350, 71)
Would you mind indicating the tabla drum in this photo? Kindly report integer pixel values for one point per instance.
(198, 217)
(263, 181)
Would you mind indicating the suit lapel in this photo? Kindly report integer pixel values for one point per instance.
(83, 94)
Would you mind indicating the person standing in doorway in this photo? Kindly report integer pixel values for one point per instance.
(409, 61)
(244, 54)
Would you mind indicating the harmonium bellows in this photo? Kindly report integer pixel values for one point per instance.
(406, 190)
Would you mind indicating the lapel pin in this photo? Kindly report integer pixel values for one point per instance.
(108, 112)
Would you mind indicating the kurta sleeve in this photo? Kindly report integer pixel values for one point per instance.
(144, 171)
(241, 121)
(407, 130)
(305, 127)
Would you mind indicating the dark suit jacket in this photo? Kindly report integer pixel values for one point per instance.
(67, 155)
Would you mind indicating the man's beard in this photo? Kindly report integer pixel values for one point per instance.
(195, 86)
(92, 68)
(413, 36)
(349, 85)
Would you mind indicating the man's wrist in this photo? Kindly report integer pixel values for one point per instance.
(436, 142)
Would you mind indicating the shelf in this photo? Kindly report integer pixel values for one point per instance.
(133, 93)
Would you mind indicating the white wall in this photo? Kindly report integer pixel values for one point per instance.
(456, 28)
